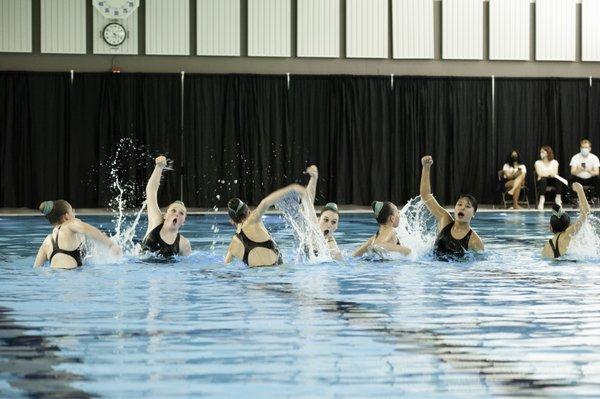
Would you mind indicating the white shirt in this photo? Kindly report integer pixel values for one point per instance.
(510, 170)
(544, 170)
(591, 162)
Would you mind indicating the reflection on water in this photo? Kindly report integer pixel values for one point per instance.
(509, 324)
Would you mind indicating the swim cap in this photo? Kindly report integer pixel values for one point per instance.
(46, 207)
(377, 207)
(331, 206)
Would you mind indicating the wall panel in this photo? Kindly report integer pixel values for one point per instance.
(462, 29)
(218, 27)
(367, 29)
(412, 26)
(269, 28)
(15, 26)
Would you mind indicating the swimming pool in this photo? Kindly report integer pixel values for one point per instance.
(508, 324)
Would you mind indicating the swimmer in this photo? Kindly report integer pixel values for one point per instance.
(388, 217)
(454, 235)
(329, 219)
(561, 226)
(162, 236)
(64, 246)
(252, 243)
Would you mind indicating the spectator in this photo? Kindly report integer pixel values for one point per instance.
(514, 173)
(546, 169)
(584, 167)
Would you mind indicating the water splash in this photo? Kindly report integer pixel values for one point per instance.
(414, 230)
(301, 216)
(585, 245)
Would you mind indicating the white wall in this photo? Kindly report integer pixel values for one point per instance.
(218, 27)
(15, 26)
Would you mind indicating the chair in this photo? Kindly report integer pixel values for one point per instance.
(523, 196)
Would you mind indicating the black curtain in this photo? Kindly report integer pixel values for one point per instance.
(236, 138)
(138, 115)
(343, 125)
(34, 113)
(530, 113)
(450, 119)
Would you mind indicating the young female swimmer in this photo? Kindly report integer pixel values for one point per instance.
(455, 235)
(561, 226)
(252, 242)
(162, 236)
(388, 218)
(329, 219)
(63, 247)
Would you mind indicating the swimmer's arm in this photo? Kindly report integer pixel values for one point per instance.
(334, 250)
(475, 243)
(41, 256)
(79, 227)
(185, 248)
(364, 248)
(311, 187)
(440, 214)
(229, 255)
(155, 216)
(275, 196)
(584, 210)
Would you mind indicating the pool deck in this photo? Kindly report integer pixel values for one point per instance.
(220, 211)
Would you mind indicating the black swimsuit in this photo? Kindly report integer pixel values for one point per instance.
(555, 249)
(249, 245)
(154, 243)
(76, 254)
(447, 247)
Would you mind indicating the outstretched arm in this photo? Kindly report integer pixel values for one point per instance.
(584, 210)
(364, 248)
(155, 216)
(440, 214)
(394, 247)
(77, 226)
(311, 187)
(275, 196)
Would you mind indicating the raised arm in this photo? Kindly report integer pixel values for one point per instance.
(440, 214)
(584, 210)
(275, 196)
(155, 216)
(77, 226)
(311, 187)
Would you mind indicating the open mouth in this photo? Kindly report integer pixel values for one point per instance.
(461, 215)
(325, 232)
(174, 221)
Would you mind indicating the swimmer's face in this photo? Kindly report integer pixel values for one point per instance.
(395, 218)
(175, 216)
(328, 222)
(463, 210)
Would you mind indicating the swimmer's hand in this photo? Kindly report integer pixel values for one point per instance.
(312, 171)
(427, 161)
(115, 251)
(577, 187)
(161, 161)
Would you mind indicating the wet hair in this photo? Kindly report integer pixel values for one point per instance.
(331, 207)
(560, 220)
(549, 151)
(382, 211)
(55, 210)
(237, 210)
(178, 202)
(509, 160)
(471, 199)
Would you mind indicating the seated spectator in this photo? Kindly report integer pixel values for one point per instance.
(514, 173)
(546, 169)
(584, 167)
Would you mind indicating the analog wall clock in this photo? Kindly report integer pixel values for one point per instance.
(114, 34)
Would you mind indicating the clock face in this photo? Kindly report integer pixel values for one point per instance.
(116, 9)
(114, 34)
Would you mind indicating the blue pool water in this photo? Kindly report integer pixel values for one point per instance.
(508, 324)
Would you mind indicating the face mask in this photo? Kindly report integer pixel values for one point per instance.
(514, 158)
(585, 152)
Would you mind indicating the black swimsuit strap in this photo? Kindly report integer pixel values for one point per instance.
(75, 254)
(554, 247)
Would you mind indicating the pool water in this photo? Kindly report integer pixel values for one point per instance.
(506, 324)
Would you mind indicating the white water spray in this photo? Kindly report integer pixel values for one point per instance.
(413, 231)
(301, 216)
(585, 245)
